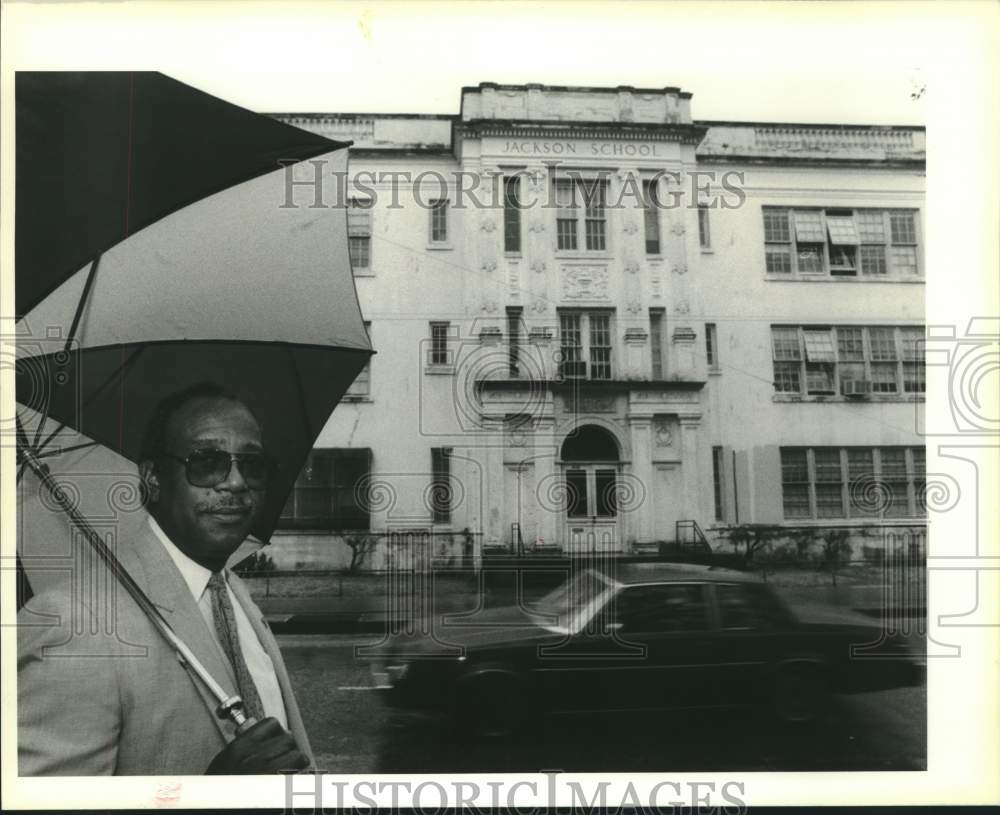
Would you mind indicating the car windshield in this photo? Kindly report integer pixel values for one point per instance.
(563, 605)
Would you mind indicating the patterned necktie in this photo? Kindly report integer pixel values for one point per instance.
(225, 628)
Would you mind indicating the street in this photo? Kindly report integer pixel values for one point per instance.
(353, 732)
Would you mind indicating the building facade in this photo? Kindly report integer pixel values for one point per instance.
(602, 325)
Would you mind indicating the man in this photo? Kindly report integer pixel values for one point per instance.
(99, 690)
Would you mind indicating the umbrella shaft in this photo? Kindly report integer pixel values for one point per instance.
(184, 653)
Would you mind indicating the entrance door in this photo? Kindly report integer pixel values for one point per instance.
(591, 510)
(590, 472)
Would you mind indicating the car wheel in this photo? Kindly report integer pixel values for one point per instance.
(491, 704)
(800, 693)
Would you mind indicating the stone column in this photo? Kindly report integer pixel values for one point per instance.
(493, 481)
(694, 486)
(549, 517)
(641, 511)
(683, 363)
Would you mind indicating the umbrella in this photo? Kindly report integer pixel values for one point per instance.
(203, 274)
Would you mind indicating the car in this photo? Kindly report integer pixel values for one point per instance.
(636, 637)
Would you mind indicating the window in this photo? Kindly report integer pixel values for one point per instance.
(514, 340)
(361, 386)
(704, 231)
(439, 351)
(717, 471)
(512, 214)
(662, 608)
(585, 345)
(711, 346)
(439, 221)
(870, 243)
(330, 492)
(912, 347)
(787, 355)
(777, 241)
(853, 482)
(829, 484)
(440, 494)
(747, 607)
(359, 233)
(851, 360)
(795, 482)
(656, 342)
(576, 195)
(651, 215)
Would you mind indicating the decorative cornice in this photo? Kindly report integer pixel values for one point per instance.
(612, 131)
(617, 385)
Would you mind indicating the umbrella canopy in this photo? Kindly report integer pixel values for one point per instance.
(102, 155)
(158, 246)
(188, 265)
(235, 289)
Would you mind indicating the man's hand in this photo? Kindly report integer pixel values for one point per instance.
(264, 748)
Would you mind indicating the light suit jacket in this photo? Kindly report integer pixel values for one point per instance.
(99, 690)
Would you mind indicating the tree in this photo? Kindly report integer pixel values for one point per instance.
(255, 564)
(362, 545)
(753, 537)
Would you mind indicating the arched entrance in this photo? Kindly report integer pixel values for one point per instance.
(591, 462)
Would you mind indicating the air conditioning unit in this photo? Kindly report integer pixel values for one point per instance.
(856, 388)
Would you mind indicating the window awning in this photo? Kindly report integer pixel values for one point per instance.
(842, 231)
(819, 346)
(809, 227)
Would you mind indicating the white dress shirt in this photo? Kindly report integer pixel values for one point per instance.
(258, 662)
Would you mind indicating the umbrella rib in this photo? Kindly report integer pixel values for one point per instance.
(116, 374)
(84, 296)
(298, 387)
(83, 302)
(63, 450)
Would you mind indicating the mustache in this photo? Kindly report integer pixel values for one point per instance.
(229, 506)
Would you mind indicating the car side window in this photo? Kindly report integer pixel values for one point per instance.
(746, 607)
(666, 608)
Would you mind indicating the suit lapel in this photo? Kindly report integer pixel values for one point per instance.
(157, 575)
(266, 638)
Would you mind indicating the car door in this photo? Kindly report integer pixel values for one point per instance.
(752, 630)
(671, 622)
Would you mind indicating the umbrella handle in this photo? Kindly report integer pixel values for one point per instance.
(232, 708)
(229, 706)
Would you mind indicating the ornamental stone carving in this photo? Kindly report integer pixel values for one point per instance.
(678, 228)
(489, 307)
(632, 267)
(634, 307)
(488, 225)
(593, 404)
(490, 336)
(514, 280)
(682, 308)
(539, 307)
(636, 336)
(585, 282)
(537, 226)
(680, 268)
(489, 266)
(630, 228)
(662, 434)
(656, 285)
(538, 266)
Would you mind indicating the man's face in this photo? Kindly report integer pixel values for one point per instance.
(206, 523)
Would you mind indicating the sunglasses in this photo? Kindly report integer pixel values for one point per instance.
(210, 467)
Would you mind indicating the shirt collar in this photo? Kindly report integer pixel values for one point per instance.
(195, 575)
